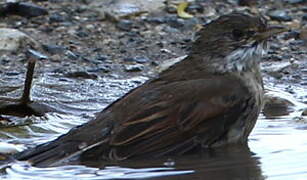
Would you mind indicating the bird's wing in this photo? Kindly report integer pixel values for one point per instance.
(186, 114)
(153, 119)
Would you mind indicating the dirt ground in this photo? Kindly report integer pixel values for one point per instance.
(86, 41)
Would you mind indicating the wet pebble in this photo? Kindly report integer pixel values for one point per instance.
(12, 73)
(13, 39)
(81, 74)
(247, 2)
(295, 1)
(292, 34)
(56, 18)
(174, 21)
(277, 106)
(134, 68)
(125, 25)
(303, 34)
(54, 49)
(195, 8)
(24, 9)
(279, 15)
(304, 113)
(138, 59)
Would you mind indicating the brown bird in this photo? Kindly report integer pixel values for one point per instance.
(211, 98)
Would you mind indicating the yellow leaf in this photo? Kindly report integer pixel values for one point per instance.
(181, 10)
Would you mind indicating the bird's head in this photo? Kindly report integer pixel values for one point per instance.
(237, 39)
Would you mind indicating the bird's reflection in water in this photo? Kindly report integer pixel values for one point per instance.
(229, 163)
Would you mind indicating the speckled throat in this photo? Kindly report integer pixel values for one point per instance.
(243, 59)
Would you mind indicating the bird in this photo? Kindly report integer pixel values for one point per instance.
(210, 99)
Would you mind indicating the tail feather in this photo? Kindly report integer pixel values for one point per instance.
(55, 153)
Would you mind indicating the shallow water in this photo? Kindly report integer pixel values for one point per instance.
(277, 145)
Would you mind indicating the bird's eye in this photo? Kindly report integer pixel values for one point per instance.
(237, 34)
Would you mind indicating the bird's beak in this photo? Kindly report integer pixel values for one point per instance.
(269, 32)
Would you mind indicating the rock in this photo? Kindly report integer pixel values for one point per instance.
(292, 34)
(295, 1)
(276, 106)
(304, 113)
(54, 49)
(56, 18)
(279, 15)
(138, 59)
(247, 2)
(125, 25)
(81, 74)
(195, 8)
(23, 9)
(304, 17)
(303, 34)
(134, 68)
(13, 40)
(125, 8)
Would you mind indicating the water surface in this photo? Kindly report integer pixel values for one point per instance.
(277, 146)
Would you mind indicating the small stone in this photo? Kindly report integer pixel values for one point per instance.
(13, 40)
(82, 34)
(125, 25)
(277, 106)
(295, 1)
(292, 34)
(138, 59)
(54, 49)
(304, 17)
(174, 21)
(195, 8)
(279, 15)
(56, 18)
(134, 68)
(81, 74)
(304, 113)
(303, 34)
(247, 2)
(25, 9)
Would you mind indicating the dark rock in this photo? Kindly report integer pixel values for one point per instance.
(304, 17)
(101, 57)
(134, 68)
(171, 9)
(194, 8)
(54, 49)
(279, 15)
(295, 1)
(56, 18)
(12, 73)
(292, 34)
(174, 21)
(158, 20)
(247, 2)
(138, 59)
(82, 34)
(81, 74)
(277, 106)
(125, 25)
(24, 9)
